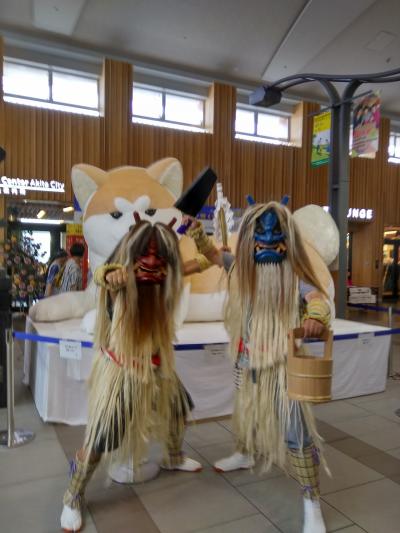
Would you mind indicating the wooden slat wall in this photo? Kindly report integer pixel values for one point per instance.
(117, 98)
(373, 185)
(45, 144)
(310, 185)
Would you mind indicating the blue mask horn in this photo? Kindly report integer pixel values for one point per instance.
(285, 200)
(250, 200)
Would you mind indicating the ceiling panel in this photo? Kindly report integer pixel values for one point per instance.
(230, 37)
(59, 16)
(223, 39)
(350, 52)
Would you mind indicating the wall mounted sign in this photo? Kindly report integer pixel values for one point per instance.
(19, 186)
(321, 139)
(359, 214)
(366, 121)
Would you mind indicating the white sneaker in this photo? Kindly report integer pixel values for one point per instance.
(187, 465)
(237, 461)
(71, 519)
(313, 519)
(125, 474)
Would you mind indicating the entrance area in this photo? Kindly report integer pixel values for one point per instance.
(391, 266)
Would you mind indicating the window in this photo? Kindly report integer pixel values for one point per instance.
(394, 147)
(255, 125)
(158, 107)
(45, 86)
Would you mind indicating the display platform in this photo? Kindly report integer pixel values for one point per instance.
(203, 364)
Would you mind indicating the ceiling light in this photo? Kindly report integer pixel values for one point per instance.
(41, 213)
(68, 209)
(38, 221)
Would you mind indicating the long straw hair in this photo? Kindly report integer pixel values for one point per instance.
(132, 399)
(263, 299)
(143, 315)
(263, 305)
(296, 253)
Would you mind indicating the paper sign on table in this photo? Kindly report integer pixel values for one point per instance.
(216, 350)
(70, 349)
(365, 338)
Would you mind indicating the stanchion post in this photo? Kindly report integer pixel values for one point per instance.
(11, 437)
(10, 388)
(390, 358)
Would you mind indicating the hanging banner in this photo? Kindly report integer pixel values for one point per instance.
(321, 139)
(75, 234)
(366, 121)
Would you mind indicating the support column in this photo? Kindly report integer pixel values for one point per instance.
(3, 214)
(223, 105)
(339, 185)
(117, 83)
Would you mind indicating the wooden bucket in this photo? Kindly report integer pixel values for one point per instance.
(309, 378)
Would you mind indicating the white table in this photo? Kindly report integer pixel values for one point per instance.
(59, 385)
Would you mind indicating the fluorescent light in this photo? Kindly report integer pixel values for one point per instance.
(41, 221)
(41, 213)
(68, 209)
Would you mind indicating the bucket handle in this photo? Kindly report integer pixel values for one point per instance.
(298, 333)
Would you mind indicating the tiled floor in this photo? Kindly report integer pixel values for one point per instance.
(362, 447)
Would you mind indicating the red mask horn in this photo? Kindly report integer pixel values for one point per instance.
(171, 223)
(136, 216)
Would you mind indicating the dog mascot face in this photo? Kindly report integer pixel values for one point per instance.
(109, 199)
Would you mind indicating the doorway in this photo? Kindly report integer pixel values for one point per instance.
(391, 267)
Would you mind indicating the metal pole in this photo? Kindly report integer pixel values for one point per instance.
(390, 357)
(11, 437)
(342, 192)
(10, 388)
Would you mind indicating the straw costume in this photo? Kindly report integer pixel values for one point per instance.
(272, 289)
(135, 394)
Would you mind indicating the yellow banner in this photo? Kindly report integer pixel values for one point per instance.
(74, 229)
(321, 139)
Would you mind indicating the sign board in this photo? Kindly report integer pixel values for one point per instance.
(356, 213)
(366, 121)
(216, 350)
(70, 349)
(19, 186)
(321, 139)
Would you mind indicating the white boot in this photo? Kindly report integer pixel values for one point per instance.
(124, 472)
(237, 461)
(71, 519)
(313, 519)
(187, 465)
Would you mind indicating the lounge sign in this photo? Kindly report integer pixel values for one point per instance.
(360, 214)
(19, 186)
(355, 213)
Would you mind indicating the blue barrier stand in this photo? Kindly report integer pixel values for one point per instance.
(12, 437)
(196, 346)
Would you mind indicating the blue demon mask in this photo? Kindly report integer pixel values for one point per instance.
(269, 240)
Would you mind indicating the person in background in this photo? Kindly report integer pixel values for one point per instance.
(54, 272)
(72, 276)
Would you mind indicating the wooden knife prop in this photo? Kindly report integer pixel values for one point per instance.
(219, 207)
(193, 199)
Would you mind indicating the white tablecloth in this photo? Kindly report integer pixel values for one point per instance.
(59, 385)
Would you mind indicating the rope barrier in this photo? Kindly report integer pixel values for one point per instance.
(375, 308)
(20, 335)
